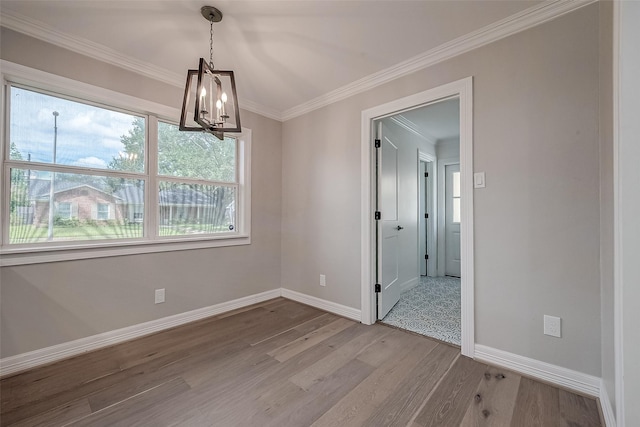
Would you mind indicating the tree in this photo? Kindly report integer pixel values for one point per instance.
(19, 185)
(132, 158)
(14, 153)
(197, 155)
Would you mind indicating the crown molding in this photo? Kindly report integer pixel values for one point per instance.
(254, 107)
(42, 31)
(49, 34)
(408, 125)
(516, 23)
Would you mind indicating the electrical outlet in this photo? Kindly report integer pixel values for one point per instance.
(159, 296)
(323, 280)
(552, 326)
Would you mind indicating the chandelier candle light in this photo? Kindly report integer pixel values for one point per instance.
(207, 105)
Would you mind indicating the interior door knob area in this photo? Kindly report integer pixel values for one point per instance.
(399, 228)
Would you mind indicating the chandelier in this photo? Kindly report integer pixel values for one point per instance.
(210, 100)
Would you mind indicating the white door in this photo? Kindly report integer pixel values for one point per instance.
(388, 227)
(452, 220)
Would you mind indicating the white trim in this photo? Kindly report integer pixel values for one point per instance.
(10, 257)
(426, 157)
(464, 90)
(431, 206)
(557, 375)
(513, 24)
(408, 125)
(618, 319)
(21, 74)
(409, 284)
(260, 109)
(42, 31)
(24, 361)
(322, 304)
(605, 404)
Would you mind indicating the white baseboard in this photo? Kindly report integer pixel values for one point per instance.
(332, 307)
(21, 362)
(607, 410)
(410, 284)
(567, 378)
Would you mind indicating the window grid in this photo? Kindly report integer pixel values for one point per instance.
(149, 216)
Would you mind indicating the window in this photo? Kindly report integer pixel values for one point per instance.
(456, 197)
(70, 154)
(194, 197)
(63, 210)
(103, 211)
(92, 163)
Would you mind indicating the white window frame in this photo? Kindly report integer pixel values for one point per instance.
(61, 251)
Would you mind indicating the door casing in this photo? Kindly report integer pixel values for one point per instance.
(427, 189)
(464, 90)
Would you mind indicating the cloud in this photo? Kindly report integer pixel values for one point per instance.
(86, 132)
(91, 162)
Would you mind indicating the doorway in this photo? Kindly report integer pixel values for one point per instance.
(414, 295)
(374, 262)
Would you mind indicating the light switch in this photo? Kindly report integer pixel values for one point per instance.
(478, 180)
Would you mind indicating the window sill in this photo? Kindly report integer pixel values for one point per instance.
(22, 256)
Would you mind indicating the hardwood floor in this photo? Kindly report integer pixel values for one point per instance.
(282, 363)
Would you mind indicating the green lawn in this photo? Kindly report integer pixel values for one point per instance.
(31, 234)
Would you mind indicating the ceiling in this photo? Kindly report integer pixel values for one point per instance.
(434, 122)
(284, 53)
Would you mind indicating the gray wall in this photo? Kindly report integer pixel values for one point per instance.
(448, 148)
(536, 224)
(47, 304)
(629, 205)
(606, 197)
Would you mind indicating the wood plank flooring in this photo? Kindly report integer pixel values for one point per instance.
(281, 363)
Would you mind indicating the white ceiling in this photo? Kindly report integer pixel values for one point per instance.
(435, 122)
(284, 53)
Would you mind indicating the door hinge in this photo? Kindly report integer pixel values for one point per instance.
(426, 256)
(378, 288)
(377, 216)
(377, 143)
(426, 174)
(426, 215)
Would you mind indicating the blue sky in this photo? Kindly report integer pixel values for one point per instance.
(87, 136)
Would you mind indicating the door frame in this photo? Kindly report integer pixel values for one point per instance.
(431, 206)
(463, 89)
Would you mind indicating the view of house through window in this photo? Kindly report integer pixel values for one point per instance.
(89, 163)
(198, 187)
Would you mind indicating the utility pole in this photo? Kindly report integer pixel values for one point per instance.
(53, 176)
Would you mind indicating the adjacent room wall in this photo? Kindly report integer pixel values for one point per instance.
(536, 224)
(47, 304)
(448, 148)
